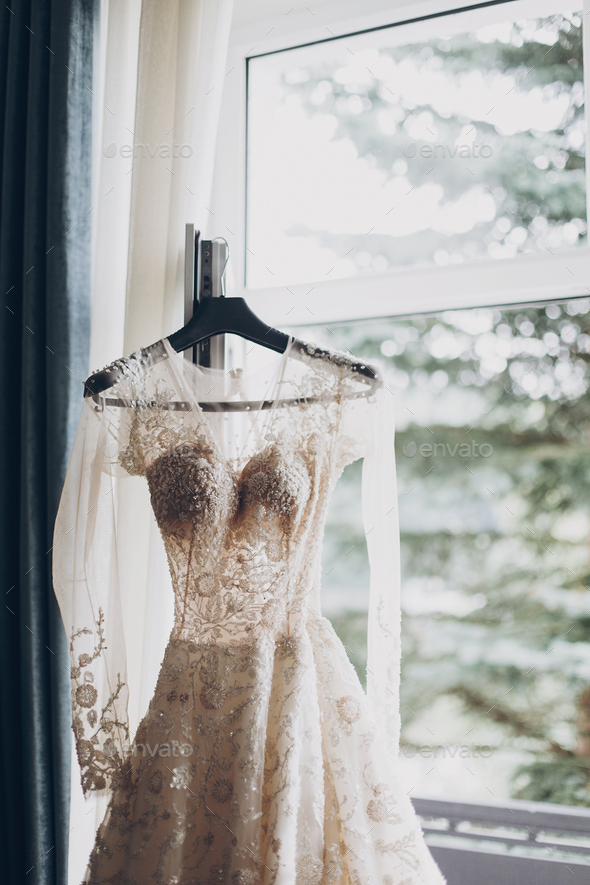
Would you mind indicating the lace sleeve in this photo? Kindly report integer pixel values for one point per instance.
(86, 583)
(380, 518)
(367, 431)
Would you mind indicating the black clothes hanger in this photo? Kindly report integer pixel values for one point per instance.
(218, 316)
(208, 313)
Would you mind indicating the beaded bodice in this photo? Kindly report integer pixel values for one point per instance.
(242, 533)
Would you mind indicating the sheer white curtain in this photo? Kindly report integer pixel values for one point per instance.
(158, 94)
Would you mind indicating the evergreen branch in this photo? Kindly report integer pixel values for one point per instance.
(506, 717)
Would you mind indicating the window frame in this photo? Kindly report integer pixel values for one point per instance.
(402, 291)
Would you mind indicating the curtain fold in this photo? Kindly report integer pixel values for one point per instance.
(46, 71)
(115, 114)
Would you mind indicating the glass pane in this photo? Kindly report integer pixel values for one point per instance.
(452, 139)
(493, 462)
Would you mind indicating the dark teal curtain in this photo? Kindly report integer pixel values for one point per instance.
(46, 66)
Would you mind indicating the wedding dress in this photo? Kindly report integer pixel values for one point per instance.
(260, 759)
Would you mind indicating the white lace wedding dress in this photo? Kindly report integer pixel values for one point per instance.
(277, 767)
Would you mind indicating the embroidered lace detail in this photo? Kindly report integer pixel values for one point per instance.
(94, 725)
(233, 529)
(214, 777)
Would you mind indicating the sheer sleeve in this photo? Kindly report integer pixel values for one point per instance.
(381, 522)
(86, 583)
(368, 431)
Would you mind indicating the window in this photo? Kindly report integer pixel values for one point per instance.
(432, 143)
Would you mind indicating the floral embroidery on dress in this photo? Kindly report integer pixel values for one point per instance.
(98, 755)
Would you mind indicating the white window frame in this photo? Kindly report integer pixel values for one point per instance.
(525, 279)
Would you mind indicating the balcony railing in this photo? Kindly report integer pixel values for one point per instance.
(512, 843)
